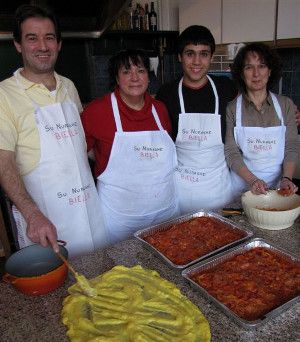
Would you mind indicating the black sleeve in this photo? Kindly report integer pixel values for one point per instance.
(227, 92)
(168, 94)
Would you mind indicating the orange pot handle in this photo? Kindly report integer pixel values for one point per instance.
(10, 279)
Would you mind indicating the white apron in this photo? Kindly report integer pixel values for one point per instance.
(62, 185)
(137, 188)
(262, 149)
(203, 178)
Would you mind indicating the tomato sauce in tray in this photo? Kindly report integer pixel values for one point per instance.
(185, 242)
(251, 283)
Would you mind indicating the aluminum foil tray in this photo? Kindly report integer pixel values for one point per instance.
(217, 259)
(141, 234)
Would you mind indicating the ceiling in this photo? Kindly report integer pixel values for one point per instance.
(86, 15)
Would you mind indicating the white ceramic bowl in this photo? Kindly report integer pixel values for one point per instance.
(288, 209)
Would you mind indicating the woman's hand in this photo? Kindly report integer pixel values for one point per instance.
(258, 187)
(287, 187)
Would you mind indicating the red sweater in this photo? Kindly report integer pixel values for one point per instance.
(99, 124)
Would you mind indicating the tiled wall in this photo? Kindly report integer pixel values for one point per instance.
(99, 77)
(101, 82)
(172, 69)
(291, 73)
(89, 70)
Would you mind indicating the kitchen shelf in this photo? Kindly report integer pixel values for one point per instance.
(141, 33)
(156, 41)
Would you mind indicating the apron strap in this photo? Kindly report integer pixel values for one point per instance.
(238, 115)
(276, 104)
(277, 108)
(215, 93)
(182, 108)
(156, 118)
(116, 112)
(118, 119)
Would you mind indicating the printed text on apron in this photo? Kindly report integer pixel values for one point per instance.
(262, 149)
(203, 178)
(137, 188)
(62, 183)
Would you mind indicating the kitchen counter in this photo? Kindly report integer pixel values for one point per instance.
(25, 318)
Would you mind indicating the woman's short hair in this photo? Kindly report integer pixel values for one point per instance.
(195, 34)
(266, 54)
(26, 11)
(125, 58)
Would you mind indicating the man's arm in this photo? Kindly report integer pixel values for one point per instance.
(39, 228)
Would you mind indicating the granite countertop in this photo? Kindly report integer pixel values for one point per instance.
(25, 318)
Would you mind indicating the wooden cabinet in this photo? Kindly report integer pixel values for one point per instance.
(235, 21)
(201, 12)
(168, 15)
(248, 21)
(288, 19)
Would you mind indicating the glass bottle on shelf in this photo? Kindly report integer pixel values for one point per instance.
(146, 18)
(141, 17)
(136, 18)
(152, 18)
(130, 11)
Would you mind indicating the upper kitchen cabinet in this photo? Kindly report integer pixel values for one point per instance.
(201, 12)
(248, 21)
(288, 25)
(232, 21)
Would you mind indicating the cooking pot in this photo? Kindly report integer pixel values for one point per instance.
(36, 270)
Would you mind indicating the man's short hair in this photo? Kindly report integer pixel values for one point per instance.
(196, 35)
(26, 11)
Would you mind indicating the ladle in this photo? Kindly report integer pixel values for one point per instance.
(83, 283)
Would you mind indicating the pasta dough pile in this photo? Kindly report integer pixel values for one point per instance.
(132, 304)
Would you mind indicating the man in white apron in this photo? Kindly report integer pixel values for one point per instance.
(45, 169)
(203, 179)
(141, 192)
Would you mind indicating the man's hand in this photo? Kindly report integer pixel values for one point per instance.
(41, 230)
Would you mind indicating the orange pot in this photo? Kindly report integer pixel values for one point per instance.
(36, 270)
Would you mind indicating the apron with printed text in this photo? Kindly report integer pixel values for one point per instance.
(137, 188)
(203, 178)
(262, 149)
(62, 184)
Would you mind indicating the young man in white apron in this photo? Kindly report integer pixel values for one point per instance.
(50, 183)
(203, 179)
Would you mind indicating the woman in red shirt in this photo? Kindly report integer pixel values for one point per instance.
(129, 132)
